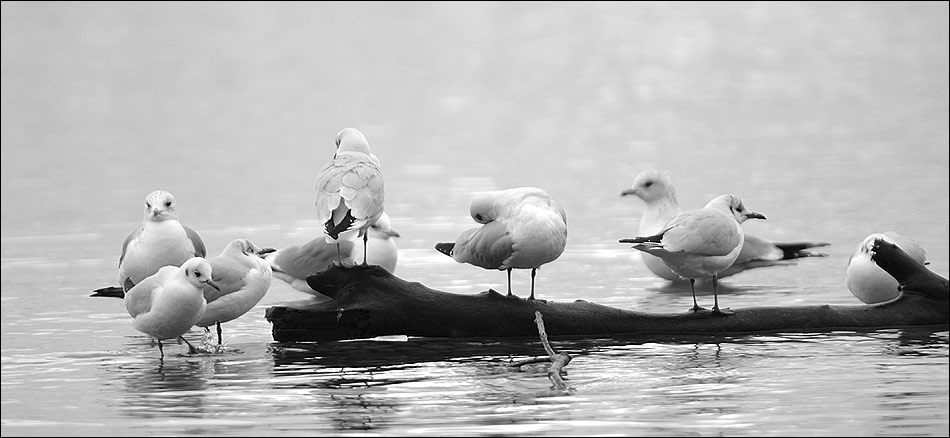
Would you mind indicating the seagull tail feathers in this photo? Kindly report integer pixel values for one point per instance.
(445, 247)
(794, 250)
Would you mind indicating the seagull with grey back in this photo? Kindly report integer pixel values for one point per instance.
(349, 190)
(655, 188)
(699, 244)
(167, 304)
(293, 264)
(241, 279)
(162, 240)
(522, 228)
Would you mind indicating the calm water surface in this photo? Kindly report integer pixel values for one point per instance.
(831, 119)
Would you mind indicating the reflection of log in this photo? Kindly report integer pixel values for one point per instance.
(368, 302)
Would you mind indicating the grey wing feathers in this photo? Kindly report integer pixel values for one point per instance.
(199, 245)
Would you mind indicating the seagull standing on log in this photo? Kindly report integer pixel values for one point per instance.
(655, 188)
(349, 191)
(699, 244)
(522, 228)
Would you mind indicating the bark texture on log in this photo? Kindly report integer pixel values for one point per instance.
(368, 301)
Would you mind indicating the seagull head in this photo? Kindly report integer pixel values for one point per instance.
(352, 140)
(651, 185)
(198, 271)
(160, 206)
(733, 205)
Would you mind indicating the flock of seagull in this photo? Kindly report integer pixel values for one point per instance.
(169, 286)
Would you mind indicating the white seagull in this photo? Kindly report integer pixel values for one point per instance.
(349, 190)
(522, 228)
(293, 264)
(241, 277)
(167, 304)
(161, 241)
(699, 244)
(866, 280)
(655, 188)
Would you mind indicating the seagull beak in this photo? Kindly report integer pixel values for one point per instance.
(211, 283)
(628, 192)
(754, 215)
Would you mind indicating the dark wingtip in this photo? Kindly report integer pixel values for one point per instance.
(794, 250)
(644, 239)
(334, 230)
(445, 248)
(110, 292)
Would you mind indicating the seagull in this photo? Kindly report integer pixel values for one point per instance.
(656, 189)
(293, 264)
(349, 191)
(167, 304)
(866, 280)
(522, 228)
(241, 279)
(700, 243)
(161, 241)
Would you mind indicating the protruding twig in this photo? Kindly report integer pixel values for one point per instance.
(558, 360)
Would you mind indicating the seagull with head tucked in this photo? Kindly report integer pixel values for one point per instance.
(161, 241)
(699, 244)
(349, 190)
(293, 264)
(522, 228)
(866, 280)
(241, 279)
(167, 304)
(655, 188)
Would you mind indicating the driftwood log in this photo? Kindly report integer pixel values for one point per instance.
(367, 301)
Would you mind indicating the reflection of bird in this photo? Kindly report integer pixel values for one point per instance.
(701, 243)
(242, 279)
(167, 304)
(866, 280)
(523, 228)
(655, 188)
(293, 264)
(349, 190)
(161, 241)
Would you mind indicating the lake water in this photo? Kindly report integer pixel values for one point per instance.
(829, 118)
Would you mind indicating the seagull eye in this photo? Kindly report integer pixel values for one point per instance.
(148, 205)
(168, 203)
(648, 184)
(198, 274)
(478, 217)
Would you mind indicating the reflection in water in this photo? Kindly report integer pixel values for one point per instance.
(161, 388)
(368, 384)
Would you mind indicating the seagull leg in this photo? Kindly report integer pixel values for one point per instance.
(716, 308)
(533, 272)
(160, 350)
(339, 254)
(365, 238)
(218, 323)
(191, 348)
(692, 288)
(509, 282)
